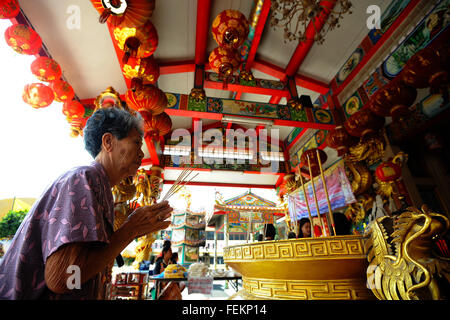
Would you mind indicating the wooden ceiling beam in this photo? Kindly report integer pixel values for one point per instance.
(304, 47)
(151, 146)
(262, 19)
(202, 29)
(301, 80)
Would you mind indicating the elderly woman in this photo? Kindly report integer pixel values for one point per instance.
(69, 231)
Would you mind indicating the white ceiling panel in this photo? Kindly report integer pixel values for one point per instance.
(222, 176)
(86, 54)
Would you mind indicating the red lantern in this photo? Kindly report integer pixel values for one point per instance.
(73, 110)
(394, 100)
(63, 90)
(141, 71)
(77, 125)
(156, 126)
(38, 95)
(313, 162)
(9, 9)
(224, 61)
(46, 69)
(147, 98)
(130, 13)
(363, 123)
(137, 42)
(23, 39)
(388, 172)
(230, 29)
(339, 139)
(428, 68)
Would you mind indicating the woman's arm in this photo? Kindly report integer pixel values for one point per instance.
(93, 259)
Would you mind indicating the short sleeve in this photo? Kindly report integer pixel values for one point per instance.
(76, 214)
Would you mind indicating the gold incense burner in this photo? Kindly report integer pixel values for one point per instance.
(308, 268)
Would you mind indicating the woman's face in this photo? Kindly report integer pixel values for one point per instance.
(128, 155)
(168, 254)
(306, 229)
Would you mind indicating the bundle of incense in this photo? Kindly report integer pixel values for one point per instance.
(180, 182)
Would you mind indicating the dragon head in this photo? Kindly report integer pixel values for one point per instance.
(415, 229)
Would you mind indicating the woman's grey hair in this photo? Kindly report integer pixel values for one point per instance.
(116, 121)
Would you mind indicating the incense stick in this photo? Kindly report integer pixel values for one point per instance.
(180, 177)
(326, 194)
(179, 186)
(179, 183)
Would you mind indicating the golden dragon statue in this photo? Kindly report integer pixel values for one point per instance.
(370, 150)
(123, 193)
(147, 190)
(403, 262)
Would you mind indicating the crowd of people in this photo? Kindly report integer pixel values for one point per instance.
(342, 226)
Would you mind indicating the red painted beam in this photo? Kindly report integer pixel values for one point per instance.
(194, 114)
(152, 150)
(202, 29)
(277, 122)
(311, 84)
(299, 124)
(247, 89)
(387, 35)
(119, 53)
(276, 99)
(269, 68)
(300, 80)
(176, 67)
(258, 33)
(304, 47)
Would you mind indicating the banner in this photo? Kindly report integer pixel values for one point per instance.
(339, 192)
(235, 217)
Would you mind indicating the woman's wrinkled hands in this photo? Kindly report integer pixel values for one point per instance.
(149, 219)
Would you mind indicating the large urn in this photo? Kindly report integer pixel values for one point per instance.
(307, 268)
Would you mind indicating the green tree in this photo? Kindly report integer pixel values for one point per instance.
(11, 222)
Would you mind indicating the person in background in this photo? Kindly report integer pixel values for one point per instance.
(72, 223)
(304, 228)
(166, 244)
(173, 291)
(270, 232)
(341, 224)
(292, 235)
(163, 261)
(260, 237)
(174, 258)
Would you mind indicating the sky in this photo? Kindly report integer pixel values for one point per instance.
(36, 146)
